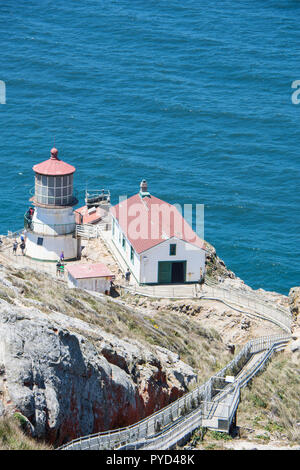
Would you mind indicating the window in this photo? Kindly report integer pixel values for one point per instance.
(51, 181)
(123, 242)
(40, 241)
(172, 249)
(132, 254)
(54, 190)
(113, 227)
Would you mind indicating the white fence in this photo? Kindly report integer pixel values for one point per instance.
(245, 302)
(251, 305)
(91, 230)
(183, 415)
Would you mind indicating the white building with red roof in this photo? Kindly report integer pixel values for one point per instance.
(96, 277)
(155, 241)
(50, 227)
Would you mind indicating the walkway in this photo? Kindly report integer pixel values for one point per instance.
(212, 405)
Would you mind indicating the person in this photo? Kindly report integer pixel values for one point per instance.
(15, 246)
(28, 217)
(127, 276)
(22, 246)
(61, 270)
(201, 280)
(58, 265)
(62, 257)
(1, 243)
(22, 238)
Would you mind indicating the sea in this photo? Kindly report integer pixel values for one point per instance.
(199, 98)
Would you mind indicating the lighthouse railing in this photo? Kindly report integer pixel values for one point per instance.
(48, 229)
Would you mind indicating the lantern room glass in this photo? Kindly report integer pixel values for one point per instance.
(54, 190)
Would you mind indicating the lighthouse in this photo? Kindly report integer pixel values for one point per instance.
(50, 226)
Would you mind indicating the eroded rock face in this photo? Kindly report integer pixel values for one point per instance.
(215, 266)
(71, 379)
(294, 301)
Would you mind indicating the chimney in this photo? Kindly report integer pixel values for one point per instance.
(144, 186)
(144, 189)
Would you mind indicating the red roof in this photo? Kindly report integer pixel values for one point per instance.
(84, 271)
(53, 166)
(88, 217)
(148, 221)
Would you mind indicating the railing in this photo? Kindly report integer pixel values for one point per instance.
(242, 292)
(243, 380)
(96, 197)
(91, 230)
(248, 304)
(200, 399)
(48, 229)
(185, 291)
(15, 234)
(228, 404)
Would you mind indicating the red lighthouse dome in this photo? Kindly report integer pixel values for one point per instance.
(54, 182)
(53, 166)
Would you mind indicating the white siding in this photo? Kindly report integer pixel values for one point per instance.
(51, 248)
(98, 284)
(134, 266)
(56, 227)
(194, 256)
(145, 266)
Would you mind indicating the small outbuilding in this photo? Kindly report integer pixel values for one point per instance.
(96, 277)
(92, 215)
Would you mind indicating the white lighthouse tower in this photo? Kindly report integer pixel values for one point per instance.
(51, 228)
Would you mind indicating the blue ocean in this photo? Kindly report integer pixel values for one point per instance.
(194, 96)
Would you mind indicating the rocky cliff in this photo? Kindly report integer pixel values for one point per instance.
(74, 364)
(69, 377)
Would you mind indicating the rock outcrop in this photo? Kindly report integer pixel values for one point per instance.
(215, 266)
(70, 378)
(294, 302)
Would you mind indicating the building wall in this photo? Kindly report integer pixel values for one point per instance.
(51, 248)
(194, 257)
(49, 221)
(145, 267)
(100, 284)
(55, 228)
(134, 266)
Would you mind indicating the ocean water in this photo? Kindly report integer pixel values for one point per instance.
(194, 96)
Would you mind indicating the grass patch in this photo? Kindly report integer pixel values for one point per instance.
(5, 296)
(13, 437)
(273, 399)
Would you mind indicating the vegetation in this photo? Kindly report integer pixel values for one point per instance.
(13, 436)
(269, 407)
(270, 404)
(199, 347)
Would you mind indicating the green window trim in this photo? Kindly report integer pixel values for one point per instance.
(172, 249)
(132, 254)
